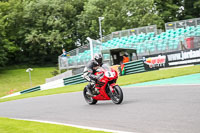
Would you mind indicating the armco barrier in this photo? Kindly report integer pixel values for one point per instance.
(74, 80)
(134, 67)
(130, 68)
(52, 84)
(31, 90)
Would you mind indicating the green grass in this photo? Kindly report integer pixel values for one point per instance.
(20, 126)
(65, 89)
(18, 79)
(159, 74)
(123, 80)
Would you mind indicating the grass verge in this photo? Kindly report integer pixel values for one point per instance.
(18, 79)
(123, 80)
(20, 126)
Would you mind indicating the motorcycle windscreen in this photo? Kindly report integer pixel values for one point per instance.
(106, 67)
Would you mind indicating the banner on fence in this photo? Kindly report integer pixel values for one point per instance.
(158, 61)
(170, 59)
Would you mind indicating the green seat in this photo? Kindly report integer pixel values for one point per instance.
(158, 36)
(131, 37)
(103, 44)
(173, 45)
(190, 34)
(152, 34)
(150, 47)
(103, 47)
(190, 27)
(140, 49)
(175, 32)
(115, 39)
(163, 34)
(161, 47)
(169, 36)
(197, 33)
(169, 31)
(197, 27)
(180, 29)
(174, 36)
(70, 61)
(130, 46)
(152, 39)
(185, 31)
(106, 56)
(180, 33)
(124, 38)
(176, 44)
(109, 41)
(88, 58)
(163, 37)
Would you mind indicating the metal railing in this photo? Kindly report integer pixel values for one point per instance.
(129, 32)
(79, 57)
(148, 47)
(182, 23)
(134, 67)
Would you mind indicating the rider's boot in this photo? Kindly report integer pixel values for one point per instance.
(89, 91)
(94, 90)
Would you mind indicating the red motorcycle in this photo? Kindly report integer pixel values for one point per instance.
(106, 87)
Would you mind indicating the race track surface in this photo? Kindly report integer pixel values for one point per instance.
(155, 109)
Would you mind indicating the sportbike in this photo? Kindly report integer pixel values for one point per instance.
(106, 87)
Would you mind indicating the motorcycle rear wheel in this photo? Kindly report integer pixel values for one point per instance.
(88, 98)
(117, 95)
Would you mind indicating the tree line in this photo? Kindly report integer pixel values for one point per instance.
(35, 31)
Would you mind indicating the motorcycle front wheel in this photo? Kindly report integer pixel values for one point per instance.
(88, 98)
(117, 95)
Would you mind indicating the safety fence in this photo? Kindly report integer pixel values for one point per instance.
(134, 67)
(76, 79)
(80, 56)
(37, 88)
(182, 24)
(129, 32)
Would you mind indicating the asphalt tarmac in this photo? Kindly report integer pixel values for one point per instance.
(149, 109)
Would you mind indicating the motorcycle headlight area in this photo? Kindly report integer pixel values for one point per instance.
(110, 74)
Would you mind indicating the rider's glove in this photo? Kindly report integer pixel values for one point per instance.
(95, 77)
(99, 76)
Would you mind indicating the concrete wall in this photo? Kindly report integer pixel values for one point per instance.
(60, 76)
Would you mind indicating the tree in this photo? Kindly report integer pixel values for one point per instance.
(152, 19)
(35, 31)
(130, 15)
(3, 55)
(7, 46)
(39, 29)
(169, 10)
(191, 9)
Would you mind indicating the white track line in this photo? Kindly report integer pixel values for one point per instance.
(77, 126)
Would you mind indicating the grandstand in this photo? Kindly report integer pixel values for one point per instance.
(145, 40)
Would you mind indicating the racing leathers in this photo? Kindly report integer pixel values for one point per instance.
(89, 75)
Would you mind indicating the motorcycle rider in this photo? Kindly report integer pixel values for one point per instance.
(89, 73)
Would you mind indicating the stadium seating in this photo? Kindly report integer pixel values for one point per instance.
(149, 43)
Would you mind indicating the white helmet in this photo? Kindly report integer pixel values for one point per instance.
(98, 58)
